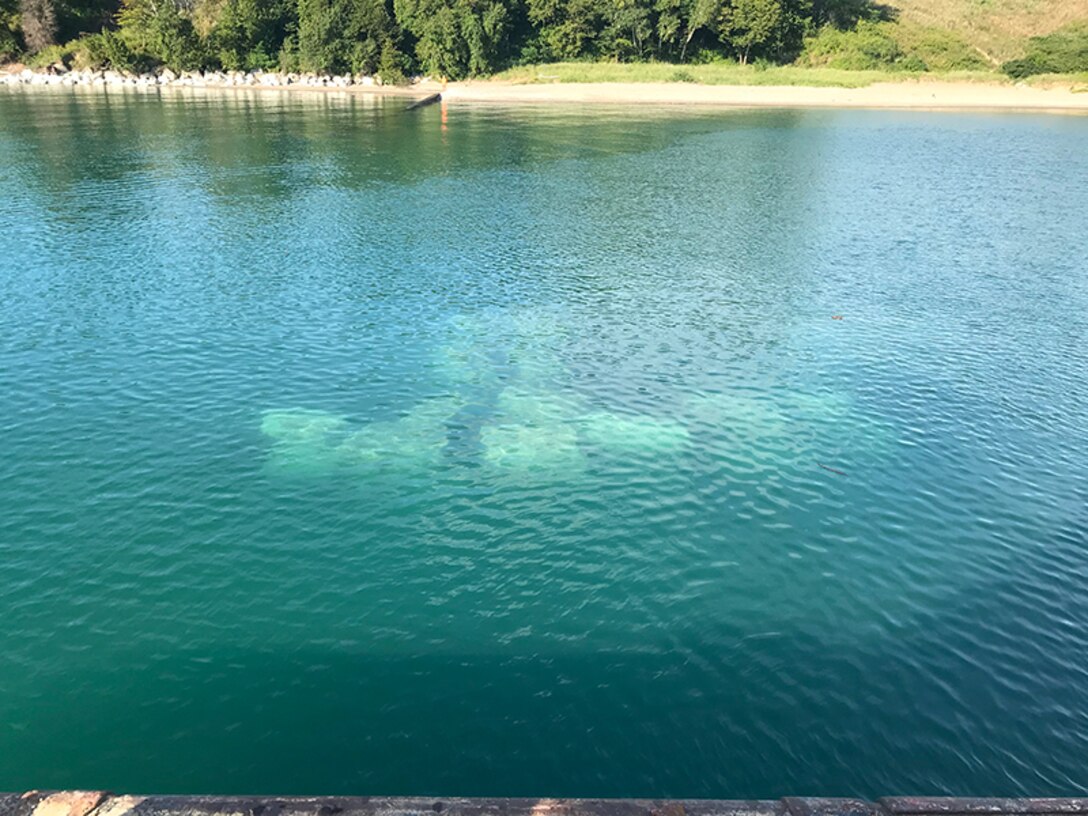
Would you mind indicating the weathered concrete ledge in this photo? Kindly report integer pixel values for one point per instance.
(100, 803)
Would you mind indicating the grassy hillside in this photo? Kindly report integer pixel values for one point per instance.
(997, 28)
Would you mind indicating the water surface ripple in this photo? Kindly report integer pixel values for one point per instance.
(520, 451)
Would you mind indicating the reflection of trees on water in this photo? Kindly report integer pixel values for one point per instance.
(351, 141)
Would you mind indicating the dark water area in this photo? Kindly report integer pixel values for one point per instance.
(520, 451)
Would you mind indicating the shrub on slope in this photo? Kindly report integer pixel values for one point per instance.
(1063, 52)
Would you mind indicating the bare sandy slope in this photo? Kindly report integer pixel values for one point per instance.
(998, 28)
(905, 95)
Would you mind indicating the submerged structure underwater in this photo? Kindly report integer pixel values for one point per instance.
(511, 406)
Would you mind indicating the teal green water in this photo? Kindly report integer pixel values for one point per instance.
(346, 449)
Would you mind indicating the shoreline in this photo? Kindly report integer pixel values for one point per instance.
(923, 95)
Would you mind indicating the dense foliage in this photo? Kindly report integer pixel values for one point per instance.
(9, 29)
(881, 45)
(459, 38)
(1063, 52)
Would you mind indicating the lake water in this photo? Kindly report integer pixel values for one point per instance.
(523, 451)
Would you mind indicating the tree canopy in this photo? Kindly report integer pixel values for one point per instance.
(450, 38)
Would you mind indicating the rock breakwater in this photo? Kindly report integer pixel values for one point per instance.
(58, 76)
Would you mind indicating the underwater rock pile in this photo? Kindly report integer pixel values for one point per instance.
(508, 405)
(529, 433)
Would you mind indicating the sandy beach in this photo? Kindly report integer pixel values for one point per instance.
(900, 95)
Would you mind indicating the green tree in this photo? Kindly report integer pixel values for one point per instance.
(341, 35)
(248, 34)
(788, 40)
(392, 63)
(157, 29)
(375, 40)
(9, 28)
(566, 29)
(627, 28)
(455, 38)
(669, 25)
(106, 50)
(321, 25)
(38, 19)
(459, 39)
(703, 13)
(750, 23)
